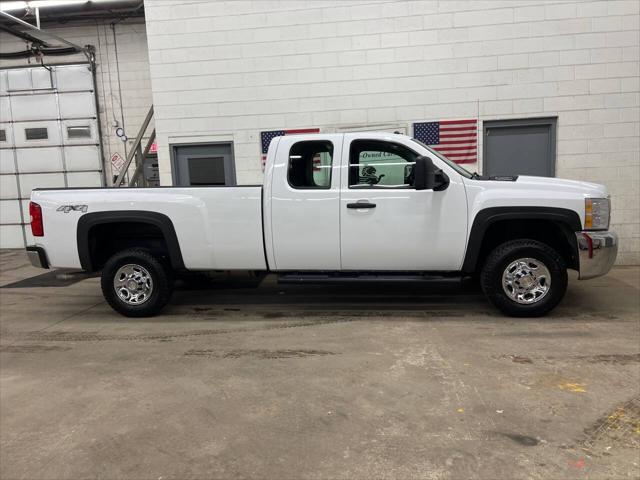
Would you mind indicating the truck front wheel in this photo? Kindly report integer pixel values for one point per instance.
(524, 278)
(135, 283)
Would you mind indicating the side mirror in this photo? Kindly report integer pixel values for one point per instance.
(428, 176)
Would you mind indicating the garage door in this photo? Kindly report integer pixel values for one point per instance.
(48, 138)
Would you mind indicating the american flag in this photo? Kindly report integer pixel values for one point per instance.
(266, 137)
(456, 139)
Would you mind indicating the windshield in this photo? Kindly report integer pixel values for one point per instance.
(462, 171)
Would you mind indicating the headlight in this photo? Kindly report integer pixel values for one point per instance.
(596, 213)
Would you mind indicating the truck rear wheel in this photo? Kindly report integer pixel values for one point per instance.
(524, 278)
(136, 284)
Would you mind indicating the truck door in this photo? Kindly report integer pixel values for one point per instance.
(303, 191)
(385, 224)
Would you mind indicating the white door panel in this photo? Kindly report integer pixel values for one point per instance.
(8, 186)
(41, 79)
(10, 211)
(11, 236)
(84, 157)
(34, 107)
(40, 180)
(73, 77)
(77, 105)
(20, 130)
(8, 133)
(305, 221)
(5, 109)
(411, 230)
(33, 160)
(406, 229)
(80, 132)
(7, 163)
(4, 87)
(19, 79)
(84, 179)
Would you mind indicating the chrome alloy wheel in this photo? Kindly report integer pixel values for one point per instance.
(526, 281)
(133, 284)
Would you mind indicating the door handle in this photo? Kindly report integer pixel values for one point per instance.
(361, 205)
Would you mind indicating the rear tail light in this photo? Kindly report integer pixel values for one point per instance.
(37, 228)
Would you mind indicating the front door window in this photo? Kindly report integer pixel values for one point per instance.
(377, 164)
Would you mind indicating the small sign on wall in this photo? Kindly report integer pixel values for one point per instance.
(116, 162)
(266, 137)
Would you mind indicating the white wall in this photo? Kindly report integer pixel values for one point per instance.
(231, 69)
(124, 88)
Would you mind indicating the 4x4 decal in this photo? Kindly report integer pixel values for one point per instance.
(72, 208)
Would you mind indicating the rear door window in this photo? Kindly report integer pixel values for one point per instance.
(310, 164)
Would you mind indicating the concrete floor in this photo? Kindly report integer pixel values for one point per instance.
(317, 382)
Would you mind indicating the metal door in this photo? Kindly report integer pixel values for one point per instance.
(48, 138)
(203, 165)
(520, 147)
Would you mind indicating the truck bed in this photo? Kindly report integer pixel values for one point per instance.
(217, 228)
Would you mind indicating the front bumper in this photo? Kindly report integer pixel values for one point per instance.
(37, 257)
(596, 252)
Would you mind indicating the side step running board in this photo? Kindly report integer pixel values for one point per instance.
(341, 278)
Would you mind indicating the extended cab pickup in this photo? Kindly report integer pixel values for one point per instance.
(335, 207)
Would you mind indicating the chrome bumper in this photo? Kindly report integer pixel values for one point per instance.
(597, 252)
(37, 257)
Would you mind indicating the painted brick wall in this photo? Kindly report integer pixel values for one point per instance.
(124, 86)
(227, 70)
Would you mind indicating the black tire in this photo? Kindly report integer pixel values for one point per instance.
(502, 256)
(161, 282)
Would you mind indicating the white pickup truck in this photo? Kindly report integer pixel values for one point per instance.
(335, 208)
